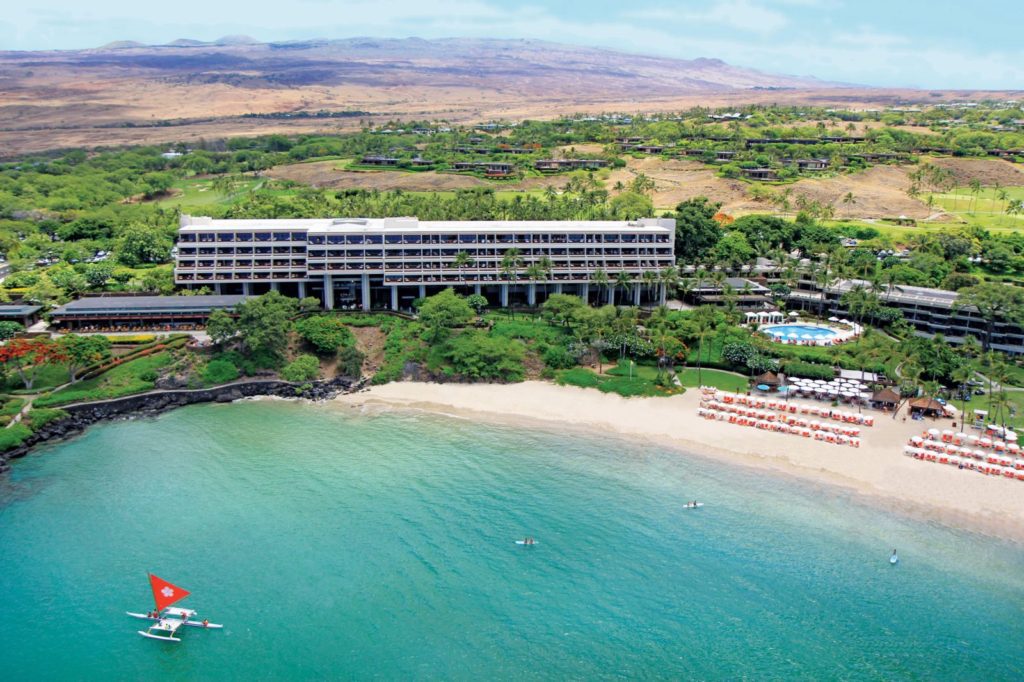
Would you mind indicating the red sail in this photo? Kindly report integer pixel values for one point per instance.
(165, 593)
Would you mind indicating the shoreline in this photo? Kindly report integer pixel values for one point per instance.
(878, 472)
(80, 416)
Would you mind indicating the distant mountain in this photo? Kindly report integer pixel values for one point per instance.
(461, 62)
(127, 93)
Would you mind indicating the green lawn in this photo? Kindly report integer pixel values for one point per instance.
(199, 192)
(725, 381)
(617, 380)
(985, 209)
(134, 376)
(47, 377)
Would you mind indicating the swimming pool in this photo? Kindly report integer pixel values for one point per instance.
(800, 332)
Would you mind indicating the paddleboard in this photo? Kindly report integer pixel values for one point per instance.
(693, 506)
(894, 560)
(523, 542)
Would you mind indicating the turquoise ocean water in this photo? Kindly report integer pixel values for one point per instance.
(339, 545)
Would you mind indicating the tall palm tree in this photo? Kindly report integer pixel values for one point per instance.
(704, 325)
(600, 279)
(911, 372)
(649, 279)
(462, 261)
(546, 268)
(962, 376)
(511, 263)
(975, 191)
(622, 281)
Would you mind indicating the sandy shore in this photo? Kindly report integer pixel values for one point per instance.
(877, 469)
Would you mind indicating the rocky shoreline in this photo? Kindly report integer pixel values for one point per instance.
(82, 415)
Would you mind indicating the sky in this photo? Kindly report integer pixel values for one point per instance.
(899, 43)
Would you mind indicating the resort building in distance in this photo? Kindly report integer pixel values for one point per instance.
(388, 262)
(929, 311)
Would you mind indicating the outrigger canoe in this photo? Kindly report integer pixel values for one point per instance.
(693, 505)
(171, 612)
(166, 619)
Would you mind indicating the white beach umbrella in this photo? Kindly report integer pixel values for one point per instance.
(933, 432)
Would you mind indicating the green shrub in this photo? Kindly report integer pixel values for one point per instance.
(302, 368)
(476, 355)
(403, 344)
(12, 406)
(808, 370)
(39, 417)
(219, 372)
(326, 333)
(13, 436)
(350, 362)
(559, 357)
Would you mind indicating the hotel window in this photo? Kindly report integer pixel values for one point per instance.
(316, 239)
(282, 236)
(243, 237)
(186, 237)
(225, 236)
(298, 236)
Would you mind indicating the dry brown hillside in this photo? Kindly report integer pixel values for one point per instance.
(131, 94)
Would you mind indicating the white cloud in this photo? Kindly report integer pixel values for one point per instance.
(742, 15)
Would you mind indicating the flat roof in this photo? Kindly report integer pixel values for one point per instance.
(200, 224)
(19, 310)
(99, 305)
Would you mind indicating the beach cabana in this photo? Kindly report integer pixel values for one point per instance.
(886, 399)
(769, 379)
(926, 406)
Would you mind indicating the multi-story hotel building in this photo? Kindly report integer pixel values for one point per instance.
(388, 262)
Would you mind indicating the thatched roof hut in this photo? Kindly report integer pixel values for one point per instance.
(886, 398)
(927, 406)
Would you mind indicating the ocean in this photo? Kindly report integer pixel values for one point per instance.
(334, 544)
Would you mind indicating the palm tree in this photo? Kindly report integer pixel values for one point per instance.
(600, 279)
(962, 376)
(622, 281)
(975, 190)
(670, 281)
(704, 320)
(1001, 404)
(535, 273)
(511, 263)
(649, 279)
(911, 372)
(546, 267)
(1015, 207)
(463, 260)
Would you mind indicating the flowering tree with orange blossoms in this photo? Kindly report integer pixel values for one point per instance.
(723, 219)
(26, 356)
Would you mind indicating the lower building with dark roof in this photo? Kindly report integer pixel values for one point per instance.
(24, 314)
(104, 313)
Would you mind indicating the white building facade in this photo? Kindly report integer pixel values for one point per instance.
(388, 262)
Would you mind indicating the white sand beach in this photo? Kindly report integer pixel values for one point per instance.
(877, 469)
